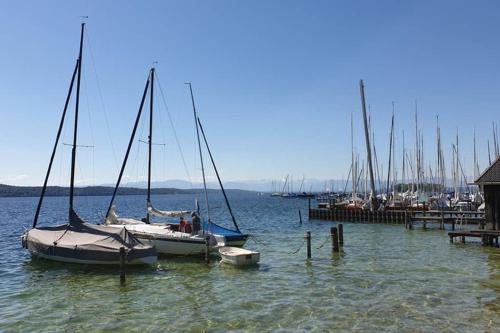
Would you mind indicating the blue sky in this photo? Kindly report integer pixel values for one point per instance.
(275, 82)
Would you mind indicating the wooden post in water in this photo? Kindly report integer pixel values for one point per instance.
(122, 265)
(300, 216)
(207, 249)
(309, 210)
(340, 228)
(308, 240)
(335, 239)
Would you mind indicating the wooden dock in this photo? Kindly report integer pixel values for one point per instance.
(407, 217)
(488, 237)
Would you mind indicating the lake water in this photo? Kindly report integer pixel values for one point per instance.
(386, 279)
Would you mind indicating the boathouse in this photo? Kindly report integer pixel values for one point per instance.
(489, 181)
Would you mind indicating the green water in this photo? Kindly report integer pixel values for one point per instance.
(386, 279)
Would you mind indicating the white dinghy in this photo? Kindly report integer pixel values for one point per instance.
(238, 256)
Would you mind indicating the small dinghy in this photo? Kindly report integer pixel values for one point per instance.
(238, 256)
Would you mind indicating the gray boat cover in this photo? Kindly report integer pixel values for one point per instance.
(79, 240)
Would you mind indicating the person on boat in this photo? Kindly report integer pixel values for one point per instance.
(182, 225)
(195, 223)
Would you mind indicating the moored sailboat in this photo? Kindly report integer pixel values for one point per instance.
(78, 241)
(226, 236)
(163, 236)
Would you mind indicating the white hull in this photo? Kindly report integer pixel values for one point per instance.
(183, 247)
(143, 261)
(238, 257)
(166, 241)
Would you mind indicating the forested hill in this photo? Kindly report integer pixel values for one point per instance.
(57, 191)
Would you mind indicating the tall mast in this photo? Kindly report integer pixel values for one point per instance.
(354, 171)
(218, 177)
(201, 154)
(132, 136)
(489, 153)
(150, 138)
(368, 146)
(403, 175)
(475, 156)
(58, 136)
(390, 155)
(75, 132)
(417, 150)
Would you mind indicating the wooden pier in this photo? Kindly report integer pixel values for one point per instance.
(406, 217)
(488, 237)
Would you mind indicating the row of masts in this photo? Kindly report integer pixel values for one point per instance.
(416, 175)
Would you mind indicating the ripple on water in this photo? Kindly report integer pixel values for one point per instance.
(387, 279)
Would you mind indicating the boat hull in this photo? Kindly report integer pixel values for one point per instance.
(142, 261)
(174, 246)
(64, 244)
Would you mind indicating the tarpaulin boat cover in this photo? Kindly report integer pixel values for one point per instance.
(79, 240)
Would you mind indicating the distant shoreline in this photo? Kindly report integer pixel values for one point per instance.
(10, 191)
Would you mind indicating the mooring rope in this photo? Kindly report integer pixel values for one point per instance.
(300, 247)
(323, 244)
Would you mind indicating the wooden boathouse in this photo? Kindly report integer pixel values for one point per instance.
(489, 182)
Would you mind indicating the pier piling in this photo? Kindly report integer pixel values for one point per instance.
(207, 249)
(340, 228)
(308, 240)
(300, 216)
(335, 239)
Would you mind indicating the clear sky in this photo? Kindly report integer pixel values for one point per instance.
(275, 82)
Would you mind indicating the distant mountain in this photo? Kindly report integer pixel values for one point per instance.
(56, 191)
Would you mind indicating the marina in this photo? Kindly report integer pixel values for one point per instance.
(249, 167)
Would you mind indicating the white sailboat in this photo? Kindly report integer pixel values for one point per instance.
(164, 237)
(226, 236)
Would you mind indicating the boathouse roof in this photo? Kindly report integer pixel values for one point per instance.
(490, 176)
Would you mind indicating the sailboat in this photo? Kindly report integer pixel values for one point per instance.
(78, 241)
(167, 238)
(226, 236)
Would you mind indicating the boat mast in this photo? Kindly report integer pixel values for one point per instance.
(368, 147)
(61, 124)
(150, 139)
(75, 133)
(353, 163)
(390, 156)
(201, 154)
(129, 146)
(218, 177)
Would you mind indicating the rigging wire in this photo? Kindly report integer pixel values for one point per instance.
(174, 131)
(103, 105)
(91, 130)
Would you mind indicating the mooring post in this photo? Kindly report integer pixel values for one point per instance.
(300, 216)
(207, 249)
(335, 239)
(340, 228)
(122, 265)
(308, 240)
